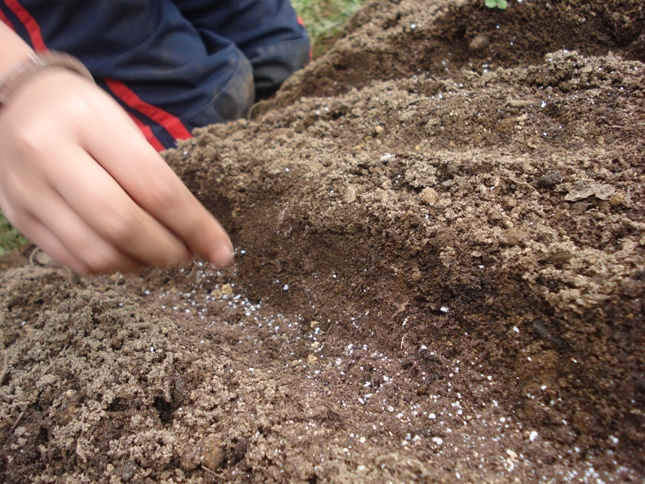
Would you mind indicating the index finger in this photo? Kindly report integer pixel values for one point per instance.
(152, 184)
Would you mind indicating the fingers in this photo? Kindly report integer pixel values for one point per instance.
(91, 256)
(66, 237)
(35, 230)
(96, 201)
(152, 184)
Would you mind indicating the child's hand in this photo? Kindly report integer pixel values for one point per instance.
(79, 179)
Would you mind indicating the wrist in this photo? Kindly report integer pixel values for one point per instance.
(14, 78)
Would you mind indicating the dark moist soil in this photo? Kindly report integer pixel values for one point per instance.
(440, 275)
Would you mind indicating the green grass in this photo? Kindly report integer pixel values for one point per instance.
(10, 238)
(324, 18)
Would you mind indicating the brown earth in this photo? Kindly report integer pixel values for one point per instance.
(440, 275)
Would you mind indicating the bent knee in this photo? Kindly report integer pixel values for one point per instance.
(274, 62)
(229, 102)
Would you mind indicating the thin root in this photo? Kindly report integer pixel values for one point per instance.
(210, 471)
(15, 424)
(5, 366)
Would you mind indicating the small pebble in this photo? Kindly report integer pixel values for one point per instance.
(549, 180)
(429, 196)
(480, 42)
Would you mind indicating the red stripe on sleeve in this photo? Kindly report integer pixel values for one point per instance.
(311, 50)
(33, 29)
(147, 132)
(170, 123)
(6, 21)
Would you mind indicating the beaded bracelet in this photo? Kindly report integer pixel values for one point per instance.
(32, 65)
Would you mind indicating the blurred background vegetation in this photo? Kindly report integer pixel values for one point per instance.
(323, 19)
(10, 238)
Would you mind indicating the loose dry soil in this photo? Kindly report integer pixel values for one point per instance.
(440, 275)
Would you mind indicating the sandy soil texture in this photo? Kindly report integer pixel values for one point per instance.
(440, 273)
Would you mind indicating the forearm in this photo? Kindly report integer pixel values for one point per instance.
(12, 48)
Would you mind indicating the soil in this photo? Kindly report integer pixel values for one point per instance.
(440, 275)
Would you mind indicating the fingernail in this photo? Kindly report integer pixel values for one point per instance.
(224, 253)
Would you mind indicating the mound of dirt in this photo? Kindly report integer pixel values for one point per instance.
(440, 273)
